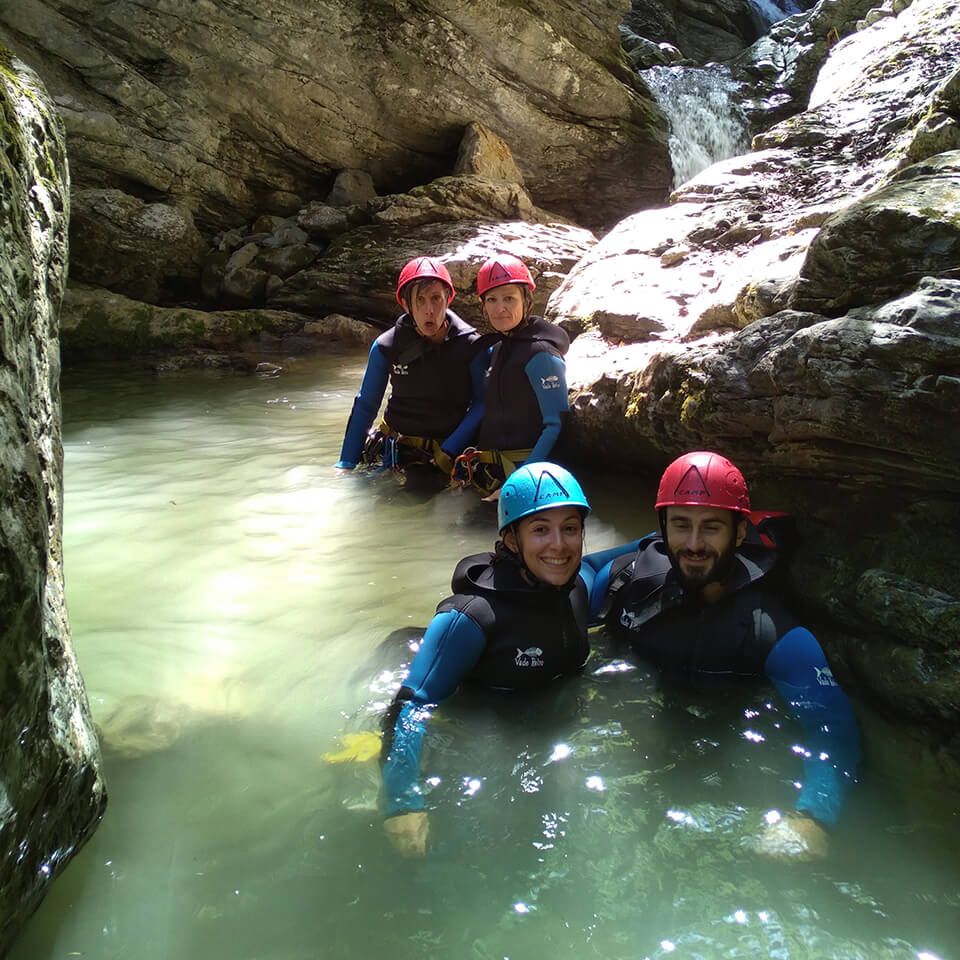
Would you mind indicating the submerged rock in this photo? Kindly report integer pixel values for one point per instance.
(51, 790)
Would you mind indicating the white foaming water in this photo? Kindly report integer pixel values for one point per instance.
(706, 124)
(770, 11)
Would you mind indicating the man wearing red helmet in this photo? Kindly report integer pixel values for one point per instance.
(526, 391)
(693, 599)
(436, 377)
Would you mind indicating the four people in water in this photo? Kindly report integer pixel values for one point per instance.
(692, 598)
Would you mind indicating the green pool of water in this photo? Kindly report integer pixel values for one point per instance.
(239, 611)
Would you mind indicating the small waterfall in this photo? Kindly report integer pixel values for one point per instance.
(706, 123)
(770, 11)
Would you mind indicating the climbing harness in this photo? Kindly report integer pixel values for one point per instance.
(394, 451)
(485, 470)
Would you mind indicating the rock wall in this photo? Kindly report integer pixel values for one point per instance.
(182, 125)
(799, 309)
(51, 791)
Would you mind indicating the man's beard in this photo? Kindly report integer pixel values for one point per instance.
(722, 566)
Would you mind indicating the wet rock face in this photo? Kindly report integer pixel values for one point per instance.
(703, 32)
(799, 309)
(880, 245)
(379, 252)
(51, 792)
(781, 67)
(234, 113)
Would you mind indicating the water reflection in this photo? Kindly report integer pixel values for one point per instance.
(242, 618)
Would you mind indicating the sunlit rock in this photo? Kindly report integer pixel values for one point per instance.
(51, 791)
(881, 245)
(232, 113)
(939, 129)
(377, 253)
(782, 66)
(797, 307)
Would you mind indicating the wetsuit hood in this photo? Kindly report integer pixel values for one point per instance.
(501, 571)
(456, 326)
(536, 328)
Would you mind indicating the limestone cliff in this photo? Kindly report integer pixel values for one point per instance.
(182, 123)
(51, 791)
(798, 308)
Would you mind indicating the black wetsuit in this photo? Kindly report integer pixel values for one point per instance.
(435, 388)
(526, 392)
(498, 629)
(747, 632)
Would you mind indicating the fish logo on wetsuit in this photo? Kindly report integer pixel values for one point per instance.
(550, 383)
(825, 677)
(531, 657)
(400, 369)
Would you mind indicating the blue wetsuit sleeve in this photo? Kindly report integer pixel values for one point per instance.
(548, 378)
(451, 646)
(463, 436)
(365, 407)
(595, 573)
(831, 751)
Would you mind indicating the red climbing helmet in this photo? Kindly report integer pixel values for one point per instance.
(502, 269)
(423, 268)
(703, 479)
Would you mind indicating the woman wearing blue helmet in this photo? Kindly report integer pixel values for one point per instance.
(517, 620)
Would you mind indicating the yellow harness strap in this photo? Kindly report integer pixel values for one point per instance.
(486, 481)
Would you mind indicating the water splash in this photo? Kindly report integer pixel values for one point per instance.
(706, 123)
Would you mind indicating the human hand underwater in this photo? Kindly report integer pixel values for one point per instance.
(408, 833)
(795, 837)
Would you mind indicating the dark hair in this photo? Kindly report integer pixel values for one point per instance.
(735, 515)
(410, 289)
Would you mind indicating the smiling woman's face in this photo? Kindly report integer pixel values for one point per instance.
(550, 543)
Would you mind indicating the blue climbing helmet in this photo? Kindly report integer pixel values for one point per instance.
(538, 486)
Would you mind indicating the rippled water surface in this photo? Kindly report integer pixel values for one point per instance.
(242, 616)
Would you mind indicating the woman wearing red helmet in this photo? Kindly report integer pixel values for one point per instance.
(436, 380)
(526, 391)
(695, 600)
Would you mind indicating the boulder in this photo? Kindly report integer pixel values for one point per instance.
(485, 154)
(882, 244)
(358, 273)
(352, 188)
(96, 324)
(148, 251)
(703, 31)
(323, 220)
(52, 792)
(466, 197)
